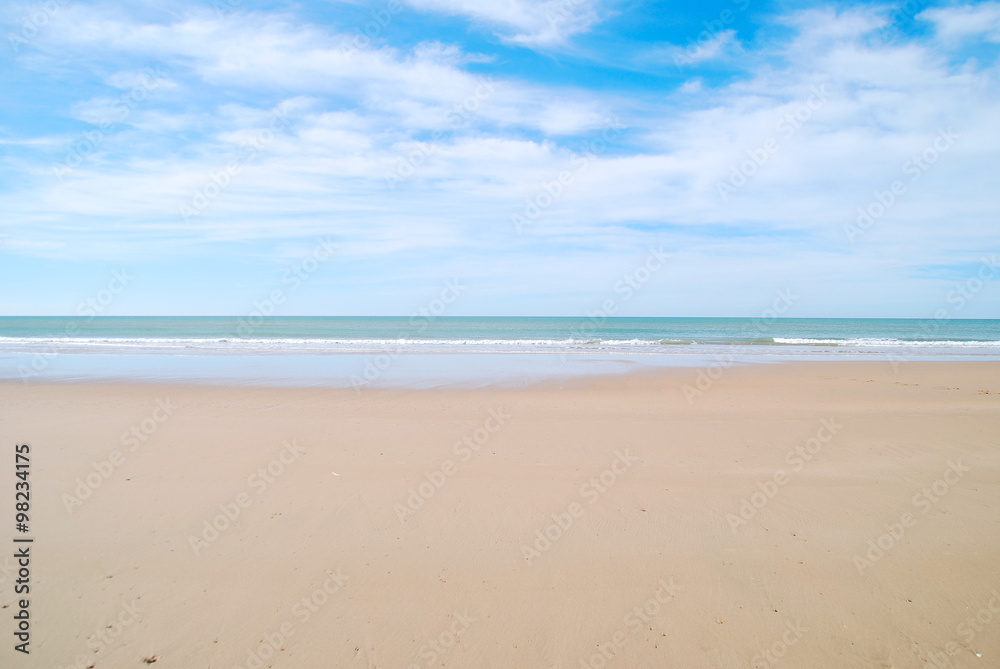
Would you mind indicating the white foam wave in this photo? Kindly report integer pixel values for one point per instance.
(873, 342)
(236, 345)
(312, 345)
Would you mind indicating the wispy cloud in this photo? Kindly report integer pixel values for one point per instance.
(957, 23)
(710, 47)
(535, 23)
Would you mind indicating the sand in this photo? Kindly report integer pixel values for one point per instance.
(798, 515)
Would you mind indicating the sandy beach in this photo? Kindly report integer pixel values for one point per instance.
(797, 515)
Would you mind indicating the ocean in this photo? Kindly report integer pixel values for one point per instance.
(342, 350)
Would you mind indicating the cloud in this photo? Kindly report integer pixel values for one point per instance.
(533, 23)
(417, 89)
(884, 103)
(713, 46)
(254, 50)
(957, 23)
(419, 156)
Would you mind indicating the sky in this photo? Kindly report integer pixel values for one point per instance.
(549, 157)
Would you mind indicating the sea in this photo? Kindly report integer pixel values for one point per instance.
(430, 351)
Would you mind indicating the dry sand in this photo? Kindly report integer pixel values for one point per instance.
(650, 569)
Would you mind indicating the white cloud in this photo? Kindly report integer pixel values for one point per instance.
(257, 53)
(356, 117)
(149, 78)
(714, 46)
(956, 23)
(542, 23)
(824, 26)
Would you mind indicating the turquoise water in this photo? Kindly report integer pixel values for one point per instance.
(371, 334)
(422, 351)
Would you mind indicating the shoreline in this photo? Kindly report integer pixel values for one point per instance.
(411, 371)
(638, 372)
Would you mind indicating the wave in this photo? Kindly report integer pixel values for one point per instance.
(302, 345)
(875, 342)
(308, 345)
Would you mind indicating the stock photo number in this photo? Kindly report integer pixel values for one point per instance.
(22, 552)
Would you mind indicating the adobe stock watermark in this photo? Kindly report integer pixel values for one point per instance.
(293, 277)
(551, 192)
(591, 492)
(692, 53)
(224, 7)
(420, 321)
(634, 621)
(457, 117)
(757, 157)
(94, 306)
(967, 630)
(422, 318)
(563, 13)
(134, 438)
(104, 636)
(433, 651)
(961, 294)
(88, 310)
(378, 21)
(259, 656)
(469, 446)
(905, 12)
(629, 284)
(924, 500)
(763, 323)
(797, 459)
(773, 654)
(88, 144)
(915, 168)
(220, 180)
(33, 22)
(625, 289)
(706, 376)
(259, 482)
(967, 290)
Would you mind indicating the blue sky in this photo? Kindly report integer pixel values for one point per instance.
(533, 150)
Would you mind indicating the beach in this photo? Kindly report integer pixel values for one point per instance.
(795, 514)
(533, 334)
